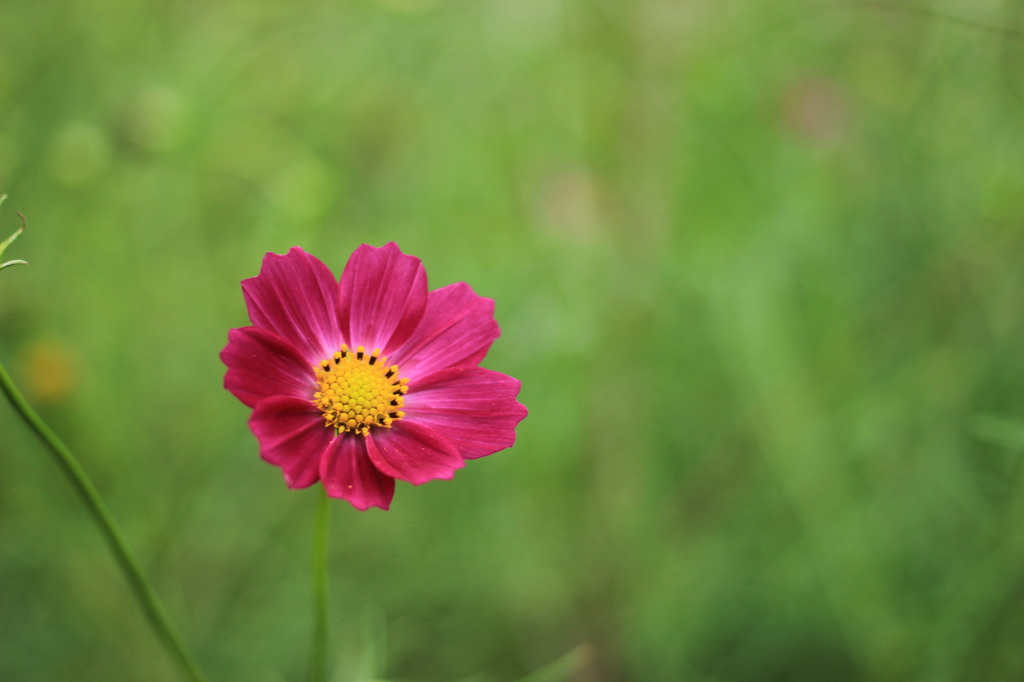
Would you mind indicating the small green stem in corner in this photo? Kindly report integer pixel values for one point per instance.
(7, 242)
(144, 593)
(318, 658)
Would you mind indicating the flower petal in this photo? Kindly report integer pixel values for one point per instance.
(262, 364)
(348, 473)
(475, 408)
(413, 452)
(296, 297)
(383, 294)
(457, 329)
(292, 435)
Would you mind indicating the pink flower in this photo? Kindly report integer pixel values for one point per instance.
(359, 383)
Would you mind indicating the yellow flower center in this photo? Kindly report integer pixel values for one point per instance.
(358, 391)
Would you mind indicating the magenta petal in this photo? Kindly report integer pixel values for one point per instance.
(383, 294)
(457, 329)
(475, 408)
(296, 297)
(292, 435)
(348, 473)
(262, 364)
(413, 452)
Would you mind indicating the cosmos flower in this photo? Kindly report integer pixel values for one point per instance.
(371, 379)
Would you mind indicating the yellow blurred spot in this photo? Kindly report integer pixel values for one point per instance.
(570, 206)
(50, 371)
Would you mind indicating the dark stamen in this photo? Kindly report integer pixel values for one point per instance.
(373, 359)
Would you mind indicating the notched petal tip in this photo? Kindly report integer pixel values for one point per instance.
(292, 252)
(296, 296)
(383, 293)
(388, 251)
(272, 260)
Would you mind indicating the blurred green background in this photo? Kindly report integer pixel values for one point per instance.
(758, 263)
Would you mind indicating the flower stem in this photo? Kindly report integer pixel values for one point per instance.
(140, 586)
(318, 659)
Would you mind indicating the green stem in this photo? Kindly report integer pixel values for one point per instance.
(318, 660)
(143, 591)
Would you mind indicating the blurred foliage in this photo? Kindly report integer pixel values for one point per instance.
(757, 262)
